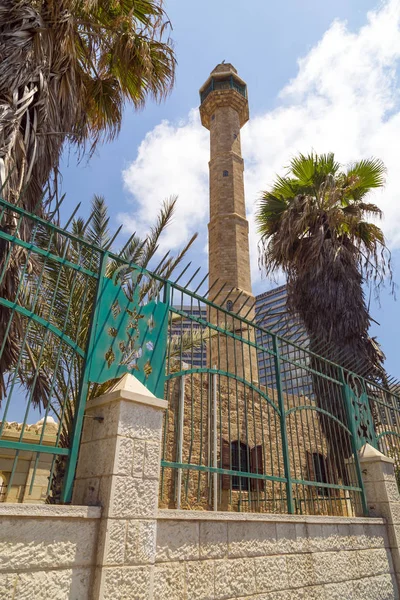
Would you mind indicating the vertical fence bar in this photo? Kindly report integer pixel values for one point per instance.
(215, 442)
(180, 440)
(66, 493)
(285, 447)
(353, 429)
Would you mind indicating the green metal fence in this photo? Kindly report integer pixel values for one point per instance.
(286, 441)
(255, 422)
(72, 318)
(385, 410)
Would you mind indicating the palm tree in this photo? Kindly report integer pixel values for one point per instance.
(67, 69)
(315, 226)
(51, 373)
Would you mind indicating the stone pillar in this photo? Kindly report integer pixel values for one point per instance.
(118, 468)
(383, 496)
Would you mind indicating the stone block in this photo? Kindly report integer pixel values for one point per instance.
(271, 573)
(141, 422)
(138, 458)
(111, 542)
(152, 457)
(177, 540)
(343, 537)
(86, 492)
(200, 580)
(330, 567)
(377, 472)
(300, 570)
(392, 491)
(386, 491)
(339, 591)
(87, 429)
(393, 514)
(141, 542)
(359, 537)
(302, 541)
(380, 509)
(28, 544)
(324, 538)
(394, 535)
(251, 539)
(213, 539)
(169, 581)
(8, 585)
(382, 587)
(286, 537)
(131, 497)
(284, 595)
(234, 578)
(374, 562)
(315, 592)
(71, 584)
(121, 583)
(123, 456)
(109, 426)
(102, 464)
(292, 537)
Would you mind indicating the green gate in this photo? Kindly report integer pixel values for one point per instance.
(255, 422)
(73, 317)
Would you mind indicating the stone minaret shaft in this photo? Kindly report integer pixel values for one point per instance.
(224, 110)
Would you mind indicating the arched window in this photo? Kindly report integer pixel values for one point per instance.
(225, 173)
(318, 470)
(229, 306)
(237, 456)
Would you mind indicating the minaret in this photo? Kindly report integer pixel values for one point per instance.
(224, 109)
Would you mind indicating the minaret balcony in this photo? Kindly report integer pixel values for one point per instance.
(228, 83)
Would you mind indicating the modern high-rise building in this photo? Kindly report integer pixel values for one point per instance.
(196, 355)
(271, 313)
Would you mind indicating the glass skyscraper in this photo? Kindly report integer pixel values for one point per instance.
(272, 314)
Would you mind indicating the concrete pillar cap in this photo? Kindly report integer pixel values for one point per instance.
(130, 389)
(370, 454)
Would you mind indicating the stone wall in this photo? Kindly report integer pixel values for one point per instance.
(130, 550)
(47, 551)
(224, 556)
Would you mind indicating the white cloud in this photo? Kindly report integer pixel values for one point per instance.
(344, 99)
(172, 160)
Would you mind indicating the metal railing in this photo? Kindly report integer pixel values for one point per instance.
(236, 441)
(75, 317)
(385, 412)
(223, 84)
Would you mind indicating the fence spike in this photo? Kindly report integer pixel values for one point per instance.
(201, 283)
(183, 272)
(77, 207)
(120, 253)
(110, 243)
(192, 277)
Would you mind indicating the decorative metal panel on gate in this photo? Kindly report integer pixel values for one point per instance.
(360, 413)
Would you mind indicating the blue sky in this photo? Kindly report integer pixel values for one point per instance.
(341, 96)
